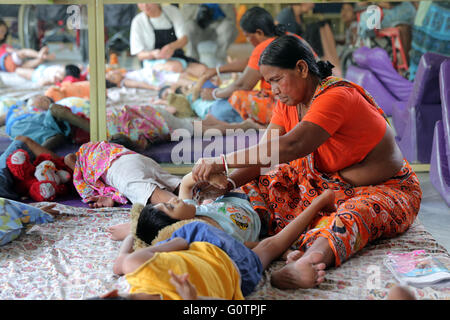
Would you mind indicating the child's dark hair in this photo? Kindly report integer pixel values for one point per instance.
(150, 222)
(285, 51)
(125, 141)
(3, 23)
(72, 70)
(258, 18)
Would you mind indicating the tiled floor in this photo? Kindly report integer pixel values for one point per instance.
(434, 212)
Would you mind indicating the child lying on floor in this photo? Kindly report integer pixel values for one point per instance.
(107, 173)
(231, 213)
(45, 75)
(200, 261)
(37, 118)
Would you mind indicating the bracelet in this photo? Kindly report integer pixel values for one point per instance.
(232, 182)
(225, 164)
(218, 72)
(213, 93)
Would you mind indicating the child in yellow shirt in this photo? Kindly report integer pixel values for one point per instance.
(200, 260)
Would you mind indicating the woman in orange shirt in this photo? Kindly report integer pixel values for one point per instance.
(241, 100)
(330, 134)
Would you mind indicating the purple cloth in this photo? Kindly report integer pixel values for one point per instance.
(439, 166)
(440, 155)
(375, 73)
(415, 124)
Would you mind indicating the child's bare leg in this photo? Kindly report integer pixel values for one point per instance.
(26, 73)
(35, 147)
(33, 63)
(210, 122)
(273, 247)
(31, 53)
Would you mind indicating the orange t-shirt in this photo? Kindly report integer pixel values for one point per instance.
(254, 60)
(355, 126)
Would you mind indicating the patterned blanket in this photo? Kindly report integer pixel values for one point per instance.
(72, 258)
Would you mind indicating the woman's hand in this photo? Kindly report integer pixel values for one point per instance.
(205, 167)
(206, 94)
(204, 190)
(166, 52)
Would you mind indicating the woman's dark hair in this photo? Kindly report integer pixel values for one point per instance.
(73, 70)
(3, 23)
(150, 222)
(258, 18)
(285, 51)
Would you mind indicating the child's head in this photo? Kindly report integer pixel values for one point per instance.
(154, 218)
(348, 13)
(4, 30)
(70, 160)
(151, 221)
(114, 76)
(40, 102)
(72, 70)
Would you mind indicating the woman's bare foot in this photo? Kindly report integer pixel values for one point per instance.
(306, 272)
(119, 231)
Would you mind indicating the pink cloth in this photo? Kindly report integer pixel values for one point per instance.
(93, 160)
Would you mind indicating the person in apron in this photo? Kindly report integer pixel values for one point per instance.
(161, 42)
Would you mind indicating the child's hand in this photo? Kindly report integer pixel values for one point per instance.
(100, 202)
(184, 287)
(49, 209)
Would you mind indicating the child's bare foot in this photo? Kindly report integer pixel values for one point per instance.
(306, 272)
(292, 256)
(119, 231)
(400, 293)
(43, 52)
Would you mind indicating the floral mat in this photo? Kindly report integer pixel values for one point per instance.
(72, 258)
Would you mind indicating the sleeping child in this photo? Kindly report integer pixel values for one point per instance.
(45, 75)
(107, 173)
(202, 261)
